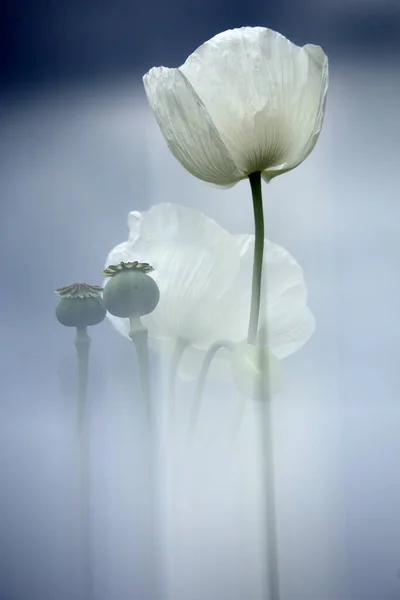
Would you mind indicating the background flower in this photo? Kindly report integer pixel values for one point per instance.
(204, 276)
(247, 100)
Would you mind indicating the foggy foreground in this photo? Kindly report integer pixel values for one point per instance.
(72, 165)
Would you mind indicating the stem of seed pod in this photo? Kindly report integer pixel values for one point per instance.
(201, 381)
(138, 335)
(82, 344)
(255, 183)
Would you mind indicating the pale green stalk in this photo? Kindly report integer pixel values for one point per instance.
(82, 344)
(255, 183)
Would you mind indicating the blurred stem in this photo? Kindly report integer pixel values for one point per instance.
(237, 421)
(138, 335)
(263, 417)
(82, 344)
(255, 183)
(179, 349)
(201, 381)
(262, 396)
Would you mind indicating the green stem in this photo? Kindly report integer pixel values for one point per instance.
(201, 381)
(82, 344)
(255, 183)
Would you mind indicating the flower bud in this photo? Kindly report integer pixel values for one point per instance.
(254, 365)
(80, 305)
(130, 291)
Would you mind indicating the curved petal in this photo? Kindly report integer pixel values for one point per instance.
(134, 224)
(288, 332)
(269, 108)
(188, 128)
(177, 224)
(281, 272)
(309, 112)
(194, 261)
(284, 288)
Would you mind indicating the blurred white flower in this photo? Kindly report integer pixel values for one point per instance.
(247, 100)
(204, 276)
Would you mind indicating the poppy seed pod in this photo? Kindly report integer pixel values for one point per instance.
(80, 305)
(130, 291)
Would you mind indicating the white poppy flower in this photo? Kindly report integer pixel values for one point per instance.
(204, 276)
(248, 100)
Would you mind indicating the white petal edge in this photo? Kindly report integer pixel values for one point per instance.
(289, 335)
(134, 223)
(284, 290)
(317, 58)
(188, 128)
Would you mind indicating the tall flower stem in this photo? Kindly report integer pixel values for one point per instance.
(201, 381)
(262, 397)
(82, 344)
(255, 183)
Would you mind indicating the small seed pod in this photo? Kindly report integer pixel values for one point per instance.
(130, 291)
(254, 365)
(80, 305)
